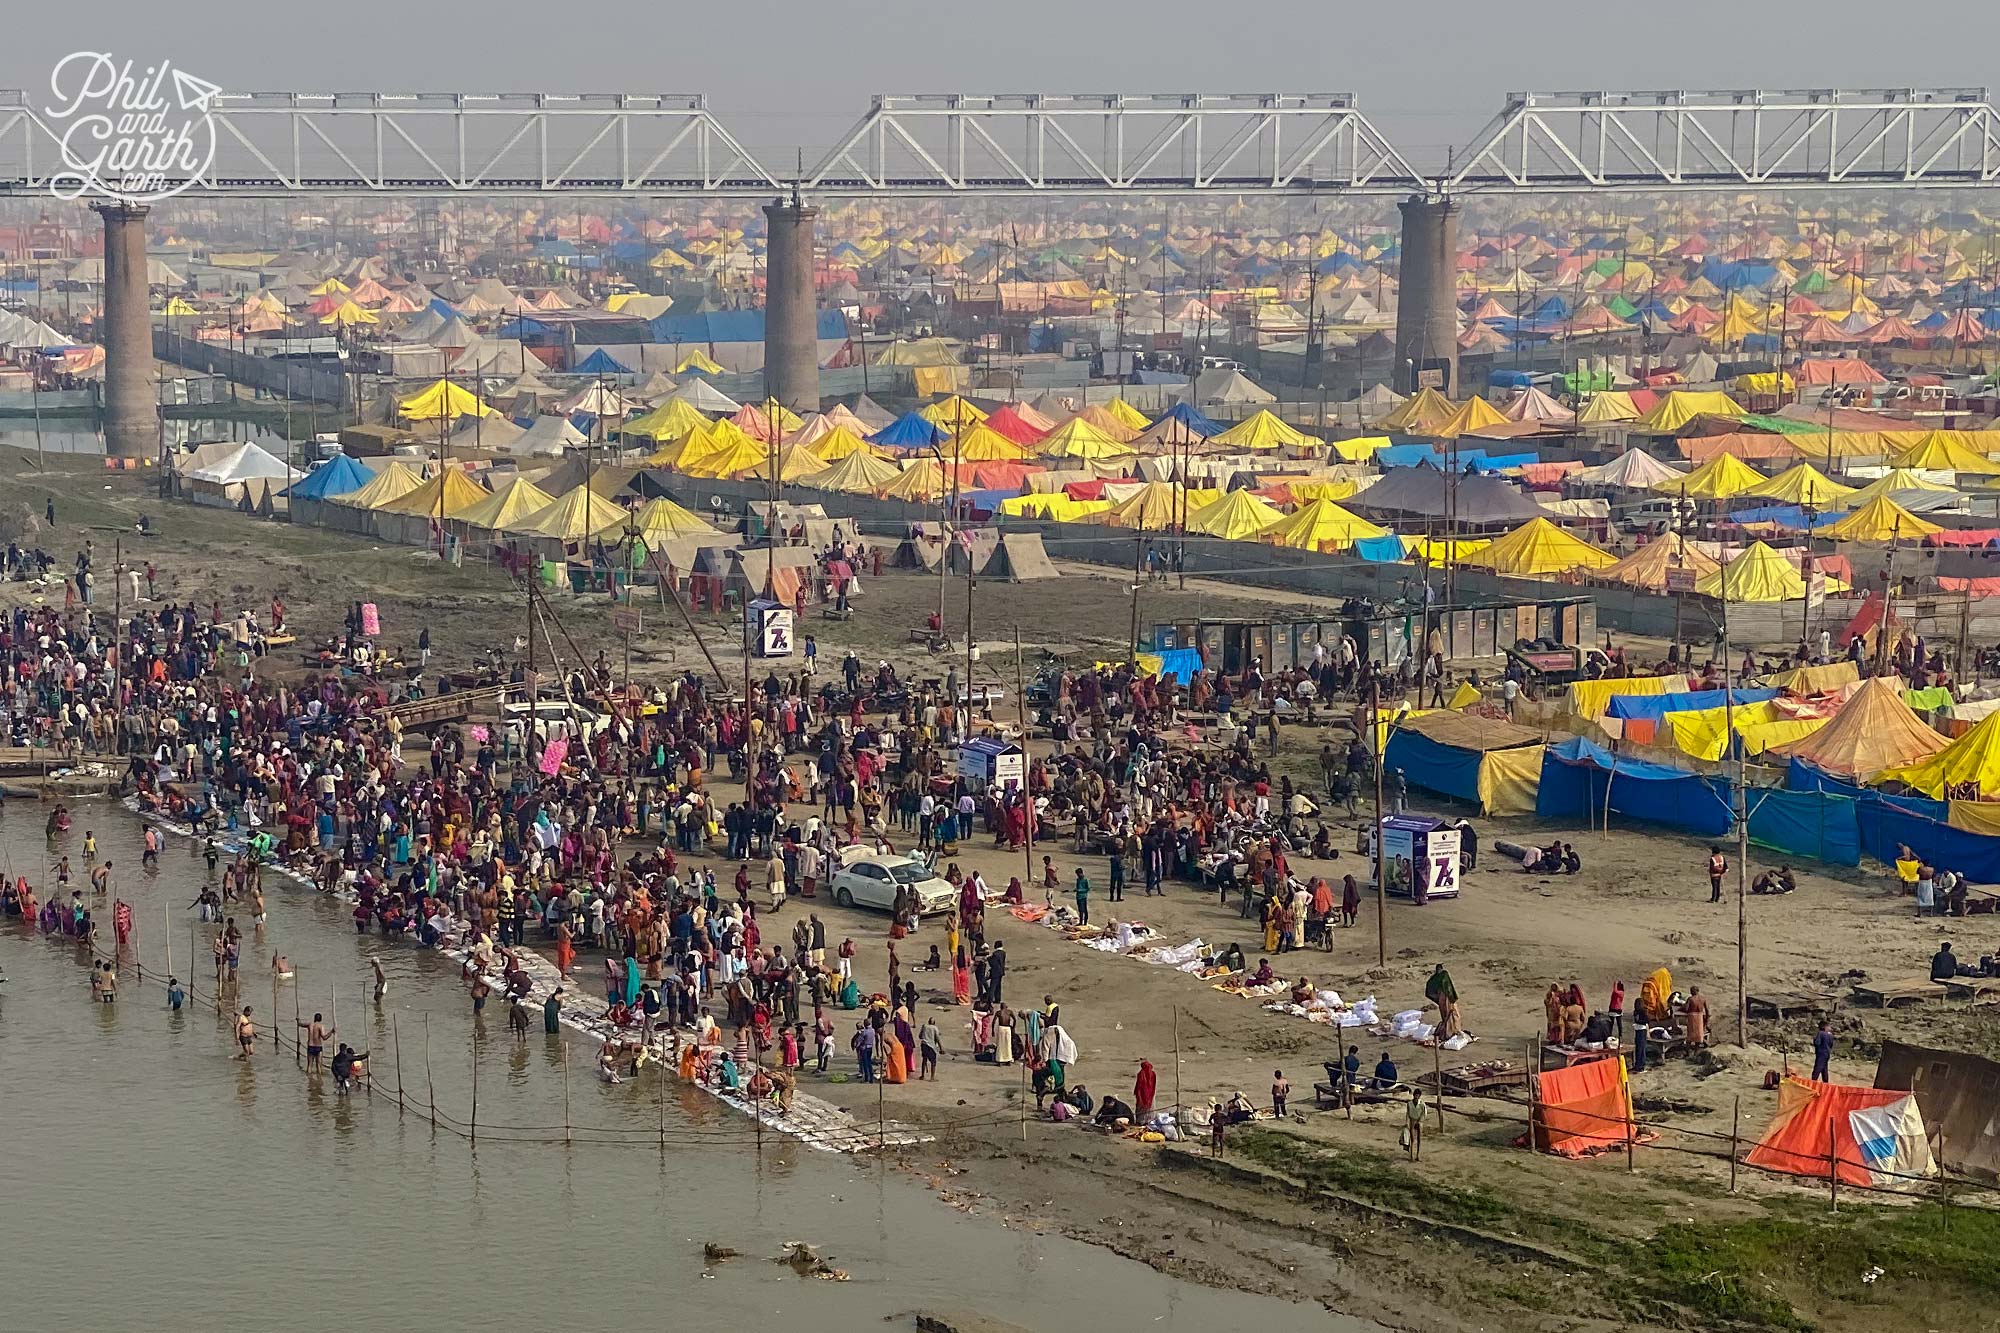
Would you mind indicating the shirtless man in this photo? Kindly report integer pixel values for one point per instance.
(246, 1035)
(381, 979)
(256, 907)
(317, 1035)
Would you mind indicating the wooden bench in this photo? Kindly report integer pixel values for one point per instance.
(1899, 990)
(1785, 1004)
(1970, 988)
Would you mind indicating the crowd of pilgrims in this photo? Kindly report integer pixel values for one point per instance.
(613, 841)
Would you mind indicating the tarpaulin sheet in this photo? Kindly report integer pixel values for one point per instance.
(1686, 701)
(1509, 781)
(1578, 777)
(1928, 700)
(1885, 822)
(1806, 823)
(1868, 1136)
(1589, 698)
(1583, 1109)
(1443, 769)
(1382, 550)
(1816, 679)
(1180, 663)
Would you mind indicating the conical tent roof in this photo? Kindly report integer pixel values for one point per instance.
(507, 506)
(1896, 479)
(1647, 567)
(952, 412)
(1131, 416)
(1759, 574)
(840, 442)
(1531, 404)
(670, 420)
(741, 454)
(1473, 415)
(856, 473)
(1098, 415)
(339, 475)
(661, 518)
(1945, 451)
(441, 399)
(1078, 438)
(1720, 478)
(1423, 412)
(1801, 484)
(1154, 507)
(922, 480)
(1321, 525)
(1607, 407)
(981, 445)
(1874, 730)
(1880, 520)
(397, 479)
(705, 397)
(1972, 758)
(1677, 408)
(1236, 516)
(450, 494)
(574, 517)
(1537, 549)
(798, 462)
(1633, 470)
(1263, 430)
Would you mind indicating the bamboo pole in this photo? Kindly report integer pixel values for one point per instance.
(1437, 1070)
(565, 1068)
(1832, 1167)
(396, 1038)
(430, 1084)
(1735, 1126)
(475, 1086)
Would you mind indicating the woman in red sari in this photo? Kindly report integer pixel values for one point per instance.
(961, 978)
(1143, 1088)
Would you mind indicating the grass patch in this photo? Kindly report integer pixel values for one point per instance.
(1776, 1270)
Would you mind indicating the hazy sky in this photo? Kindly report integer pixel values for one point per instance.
(1429, 72)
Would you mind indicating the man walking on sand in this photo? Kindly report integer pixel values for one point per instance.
(1718, 866)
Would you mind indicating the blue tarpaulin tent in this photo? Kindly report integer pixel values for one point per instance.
(1817, 824)
(910, 431)
(600, 362)
(1380, 550)
(339, 475)
(1582, 781)
(1656, 706)
(1884, 822)
(1192, 420)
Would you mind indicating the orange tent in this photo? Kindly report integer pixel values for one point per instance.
(1583, 1109)
(1876, 1135)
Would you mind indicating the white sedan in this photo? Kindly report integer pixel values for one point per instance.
(872, 879)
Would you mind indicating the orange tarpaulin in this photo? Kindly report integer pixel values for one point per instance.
(1875, 1135)
(1583, 1109)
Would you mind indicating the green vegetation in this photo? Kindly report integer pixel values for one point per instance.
(1781, 1269)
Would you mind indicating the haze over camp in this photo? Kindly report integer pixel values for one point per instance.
(1371, 703)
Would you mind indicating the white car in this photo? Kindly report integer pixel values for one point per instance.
(872, 879)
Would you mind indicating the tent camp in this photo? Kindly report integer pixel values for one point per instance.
(1880, 520)
(1871, 1137)
(1237, 516)
(1958, 1095)
(1759, 574)
(1720, 478)
(1482, 761)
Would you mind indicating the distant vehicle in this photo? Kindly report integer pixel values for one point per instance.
(871, 880)
(1220, 363)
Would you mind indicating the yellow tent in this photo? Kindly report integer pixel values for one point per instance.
(1131, 416)
(690, 446)
(780, 420)
(741, 454)
(178, 306)
(669, 421)
(1357, 450)
(1974, 757)
(1896, 479)
(1473, 415)
(347, 313)
(1945, 451)
(1647, 567)
(1681, 406)
(1874, 730)
(856, 473)
(509, 505)
(798, 462)
(1236, 516)
(1077, 438)
(839, 442)
(698, 360)
(397, 479)
(1435, 550)
(1537, 549)
(952, 412)
(332, 286)
(457, 492)
(1422, 413)
(1321, 525)
(982, 444)
(1880, 520)
(1154, 507)
(1759, 574)
(922, 480)
(1801, 484)
(1607, 407)
(576, 516)
(1720, 478)
(661, 518)
(441, 399)
(1264, 431)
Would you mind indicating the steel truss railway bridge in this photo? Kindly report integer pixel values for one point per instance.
(1023, 145)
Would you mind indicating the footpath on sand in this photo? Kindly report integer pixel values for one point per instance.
(813, 1121)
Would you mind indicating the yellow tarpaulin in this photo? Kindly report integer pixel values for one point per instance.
(1945, 451)
(1809, 680)
(1262, 430)
(1236, 516)
(458, 494)
(442, 399)
(1423, 413)
(1436, 550)
(1537, 549)
(1801, 484)
(1973, 757)
(1609, 406)
(1720, 478)
(1589, 698)
(1880, 520)
(1321, 525)
(669, 421)
(1078, 438)
(1982, 817)
(1681, 406)
(397, 479)
(1510, 780)
(510, 504)
(1759, 574)
(1475, 414)
(1464, 696)
(1357, 450)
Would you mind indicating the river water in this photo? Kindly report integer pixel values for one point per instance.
(152, 1180)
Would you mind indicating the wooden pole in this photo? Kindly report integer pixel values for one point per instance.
(475, 1085)
(1178, 1114)
(299, 1051)
(1735, 1126)
(663, 1105)
(1024, 1093)
(1027, 768)
(1437, 1070)
(1381, 859)
(565, 1069)
(430, 1084)
(396, 1040)
(1832, 1167)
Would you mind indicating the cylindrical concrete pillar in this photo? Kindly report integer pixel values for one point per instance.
(131, 400)
(791, 310)
(1427, 295)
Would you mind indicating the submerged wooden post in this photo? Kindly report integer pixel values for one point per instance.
(397, 1039)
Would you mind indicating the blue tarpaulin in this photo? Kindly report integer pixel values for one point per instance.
(1405, 455)
(1192, 420)
(1814, 824)
(1656, 706)
(1444, 769)
(1886, 822)
(338, 475)
(1581, 781)
(1381, 550)
(1181, 664)
(909, 431)
(600, 362)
